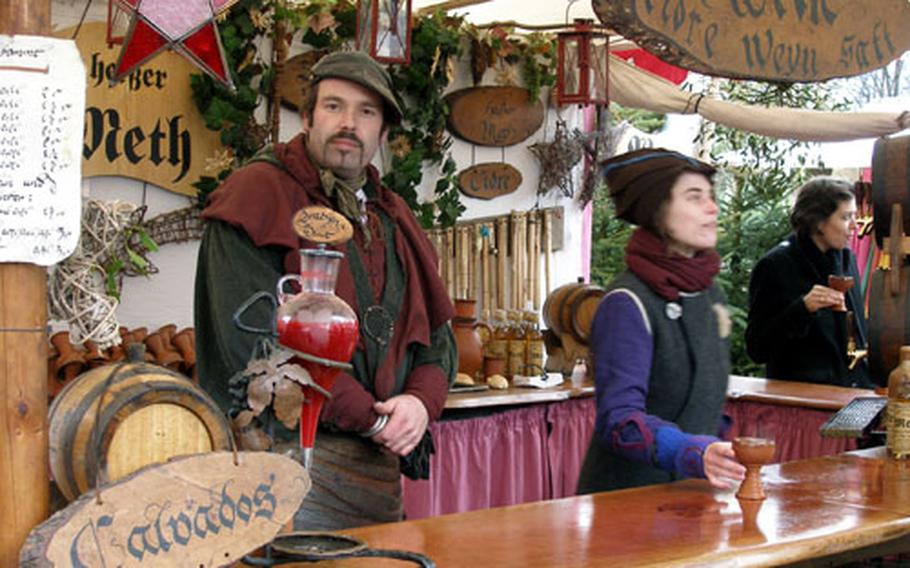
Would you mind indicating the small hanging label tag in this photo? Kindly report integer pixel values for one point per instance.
(322, 225)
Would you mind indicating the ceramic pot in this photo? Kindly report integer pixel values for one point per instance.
(493, 366)
(470, 346)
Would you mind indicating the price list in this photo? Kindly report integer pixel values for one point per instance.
(42, 97)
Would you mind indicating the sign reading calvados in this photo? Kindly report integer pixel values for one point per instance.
(145, 127)
(200, 510)
(774, 40)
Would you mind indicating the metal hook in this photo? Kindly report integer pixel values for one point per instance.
(238, 314)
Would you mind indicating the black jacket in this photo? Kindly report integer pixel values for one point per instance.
(795, 344)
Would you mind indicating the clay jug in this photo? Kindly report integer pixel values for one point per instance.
(470, 346)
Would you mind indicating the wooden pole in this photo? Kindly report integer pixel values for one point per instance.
(24, 488)
(502, 250)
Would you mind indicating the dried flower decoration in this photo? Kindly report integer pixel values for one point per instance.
(400, 146)
(220, 161)
(262, 21)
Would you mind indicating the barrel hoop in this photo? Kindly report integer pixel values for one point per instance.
(556, 299)
(69, 434)
(888, 328)
(565, 310)
(120, 372)
(890, 162)
(158, 392)
(587, 292)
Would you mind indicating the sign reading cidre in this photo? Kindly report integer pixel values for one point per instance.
(774, 40)
(200, 510)
(486, 181)
(147, 126)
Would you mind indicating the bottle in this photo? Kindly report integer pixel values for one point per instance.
(898, 412)
(516, 356)
(579, 372)
(534, 347)
(485, 330)
(322, 327)
(497, 346)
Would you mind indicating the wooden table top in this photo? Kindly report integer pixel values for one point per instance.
(825, 506)
(517, 395)
(790, 393)
(787, 393)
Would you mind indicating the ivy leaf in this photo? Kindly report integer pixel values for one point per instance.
(147, 241)
(110, 278)
(136, 259)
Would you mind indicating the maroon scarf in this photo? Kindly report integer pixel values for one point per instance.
(669, 274)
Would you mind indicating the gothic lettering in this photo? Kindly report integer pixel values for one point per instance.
(170, 141)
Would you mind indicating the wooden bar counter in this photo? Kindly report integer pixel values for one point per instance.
(751, 389)
(845, 507)
(505, 447)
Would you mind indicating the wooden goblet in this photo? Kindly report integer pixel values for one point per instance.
(752, 453)
(841, 284)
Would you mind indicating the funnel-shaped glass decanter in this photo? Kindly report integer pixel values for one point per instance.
(322, 327)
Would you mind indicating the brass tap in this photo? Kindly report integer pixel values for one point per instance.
(856, 355)
(853, 354)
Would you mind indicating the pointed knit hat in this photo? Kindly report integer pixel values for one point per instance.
(640, 180)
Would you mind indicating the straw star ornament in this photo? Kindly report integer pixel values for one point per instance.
(185, 26)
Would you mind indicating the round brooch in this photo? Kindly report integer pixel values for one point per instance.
(378, 324)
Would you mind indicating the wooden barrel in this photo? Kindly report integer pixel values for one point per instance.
(888, 322)
(890, 183)
(570, 310)
(115, 419)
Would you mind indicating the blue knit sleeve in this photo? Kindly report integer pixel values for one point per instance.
(622, 350)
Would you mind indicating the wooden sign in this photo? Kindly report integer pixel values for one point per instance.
(293, 81)
(201, 510)
(493, 116)
(322, 225)
(146, 127)
(486, 181)
(779, 40)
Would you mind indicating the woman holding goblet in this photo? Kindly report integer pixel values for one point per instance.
(800, 293)
(660, 337)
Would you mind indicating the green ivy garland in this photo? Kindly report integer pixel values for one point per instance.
(420, 142)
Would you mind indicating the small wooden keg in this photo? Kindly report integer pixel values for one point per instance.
(570, 310)
(890, 183)
(115, 419)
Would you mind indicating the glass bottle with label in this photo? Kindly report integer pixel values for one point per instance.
(516, 357)
(534, 347)
(497, 347)
(486, 329)
(898, 412)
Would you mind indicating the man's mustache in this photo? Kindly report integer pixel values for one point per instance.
(347, 136)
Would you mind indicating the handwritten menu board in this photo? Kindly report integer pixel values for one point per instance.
(42, 105)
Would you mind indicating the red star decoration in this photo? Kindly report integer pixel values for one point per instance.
(186, 26)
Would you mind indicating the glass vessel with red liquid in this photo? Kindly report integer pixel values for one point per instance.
(321, 326)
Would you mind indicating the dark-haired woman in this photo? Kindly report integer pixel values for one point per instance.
(659, 339)
(794, 325)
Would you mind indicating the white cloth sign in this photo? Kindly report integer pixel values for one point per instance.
(42, 106)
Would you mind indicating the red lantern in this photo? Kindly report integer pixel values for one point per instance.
(582, 66)
(384, 30)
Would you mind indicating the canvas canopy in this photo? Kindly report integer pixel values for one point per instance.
(634, 87)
